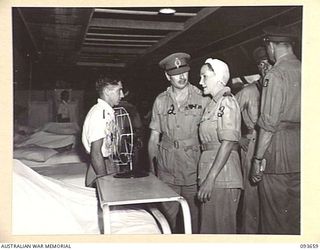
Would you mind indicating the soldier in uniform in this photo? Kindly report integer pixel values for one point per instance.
(175, 118)
(279, 137)
(249, 102)
(220, 177)
(99, 130)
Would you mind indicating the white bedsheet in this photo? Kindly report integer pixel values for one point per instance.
(126, 220)
(42, 206)
(71, 173)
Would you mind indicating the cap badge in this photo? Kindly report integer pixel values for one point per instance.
(177, 62)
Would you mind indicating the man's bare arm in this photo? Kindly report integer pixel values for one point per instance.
(152, 149)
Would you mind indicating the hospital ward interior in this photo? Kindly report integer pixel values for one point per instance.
(58, 55)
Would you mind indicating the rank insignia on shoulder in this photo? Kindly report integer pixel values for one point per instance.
(265, 82)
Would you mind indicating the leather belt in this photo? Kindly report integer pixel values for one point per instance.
(180, 143)
(211, 146)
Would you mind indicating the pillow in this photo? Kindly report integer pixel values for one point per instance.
(66, 128)
(47, 140)
(34, 153)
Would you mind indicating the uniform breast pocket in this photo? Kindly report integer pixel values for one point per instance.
(210, 114)
(164, 117)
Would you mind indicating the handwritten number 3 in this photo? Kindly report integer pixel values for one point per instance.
(220, 113)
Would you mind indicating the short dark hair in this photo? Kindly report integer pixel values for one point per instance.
(64, 93)
(104, 82)
(209, 66)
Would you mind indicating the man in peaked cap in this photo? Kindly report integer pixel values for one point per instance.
(175, 117)
(275, 35)
(249, 102)
(279, 137)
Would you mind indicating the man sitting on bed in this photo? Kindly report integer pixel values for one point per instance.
(99, 130)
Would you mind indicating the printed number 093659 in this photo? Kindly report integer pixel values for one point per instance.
(309, 245)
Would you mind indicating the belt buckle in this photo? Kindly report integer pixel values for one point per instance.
(176, 144)
(203, 147)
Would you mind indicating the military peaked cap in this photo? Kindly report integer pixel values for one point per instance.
(176, 63)
(278, 34)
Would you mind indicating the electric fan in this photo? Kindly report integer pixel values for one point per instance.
(124, 143)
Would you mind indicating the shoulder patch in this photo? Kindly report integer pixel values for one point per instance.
(265, 82)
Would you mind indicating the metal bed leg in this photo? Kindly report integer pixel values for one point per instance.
(186, 215)
(106, 220)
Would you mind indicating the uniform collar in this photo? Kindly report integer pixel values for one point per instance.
(171, 94)
(220, 93)
(105, 105)
(286, 57)
(170, 89)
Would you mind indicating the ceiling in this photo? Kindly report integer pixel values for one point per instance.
(131, 41)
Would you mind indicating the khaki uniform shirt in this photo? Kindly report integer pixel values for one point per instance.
(222, 119)
(280, 114)
(249, 103)
(179, 149)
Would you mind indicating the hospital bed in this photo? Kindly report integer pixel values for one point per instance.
(68, 168)
(54, 150)
(43, 205)
(53, 143)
